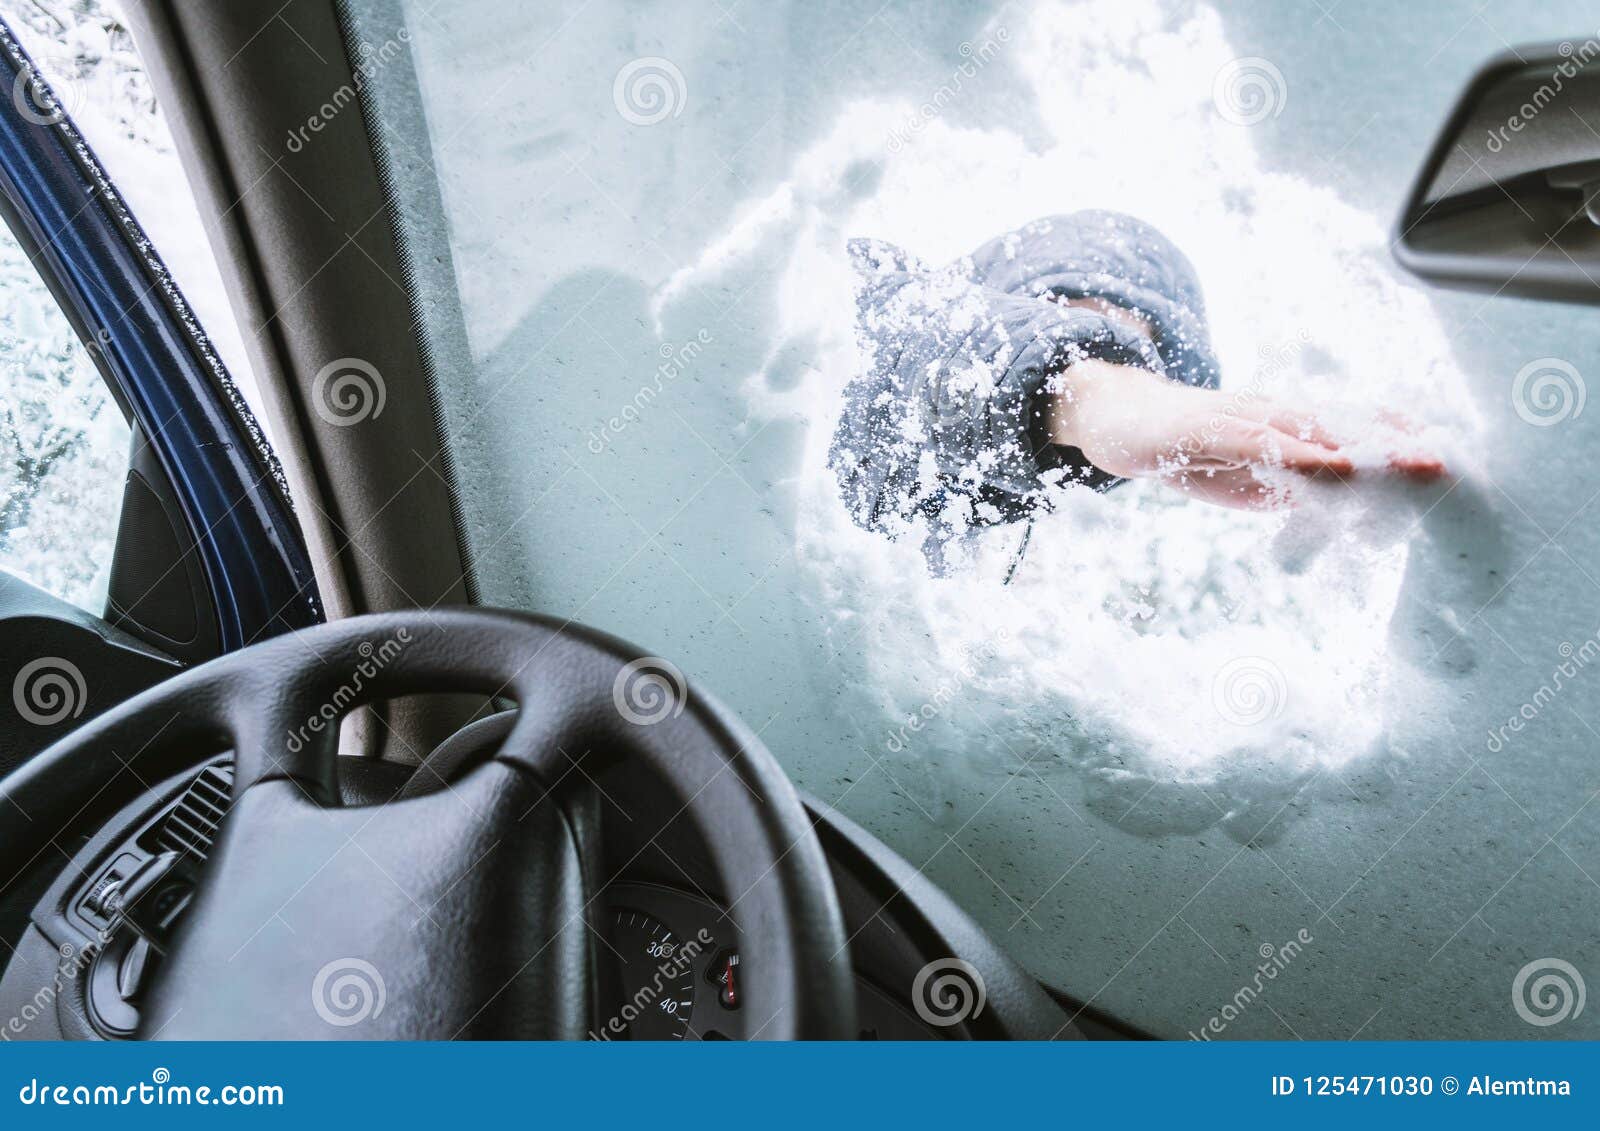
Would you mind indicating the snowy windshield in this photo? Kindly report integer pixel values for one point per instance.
(841, 359)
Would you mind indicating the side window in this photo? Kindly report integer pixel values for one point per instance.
(74, 470)
(64, 445)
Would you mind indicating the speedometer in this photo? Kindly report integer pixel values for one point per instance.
(654, 976)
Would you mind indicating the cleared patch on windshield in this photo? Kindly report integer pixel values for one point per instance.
(1198, 666)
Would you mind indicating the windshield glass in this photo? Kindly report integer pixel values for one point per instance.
(933, 386)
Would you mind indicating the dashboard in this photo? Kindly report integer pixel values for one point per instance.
(667, 958)
(670, 970)
(669, 967)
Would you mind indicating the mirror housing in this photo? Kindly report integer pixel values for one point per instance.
(1508, 200)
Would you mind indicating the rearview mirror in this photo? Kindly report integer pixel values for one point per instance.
(1508, 200)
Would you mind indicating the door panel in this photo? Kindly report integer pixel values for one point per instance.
(60, 667)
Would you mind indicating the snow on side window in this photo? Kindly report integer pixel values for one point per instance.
(87, 53)
(63, 445)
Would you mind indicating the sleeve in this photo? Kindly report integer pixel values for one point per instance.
(1112, 256)
(940, 430)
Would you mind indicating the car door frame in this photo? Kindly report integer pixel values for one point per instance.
(313, 262)
(169, 381)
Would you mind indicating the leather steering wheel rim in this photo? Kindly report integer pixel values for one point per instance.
(581, 695)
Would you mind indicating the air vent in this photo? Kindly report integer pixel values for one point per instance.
(191, 826)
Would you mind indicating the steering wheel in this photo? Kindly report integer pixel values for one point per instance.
(468, 904)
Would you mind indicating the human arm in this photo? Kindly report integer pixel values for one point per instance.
(1132, 423)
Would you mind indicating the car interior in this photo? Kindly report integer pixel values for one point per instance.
(697, 837)
(312, 747)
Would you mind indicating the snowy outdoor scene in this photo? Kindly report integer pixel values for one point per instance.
(736, 363)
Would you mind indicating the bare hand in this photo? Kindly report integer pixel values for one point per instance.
(1206, 442)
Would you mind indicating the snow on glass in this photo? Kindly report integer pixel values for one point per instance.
(63, 442)
(1199, 664)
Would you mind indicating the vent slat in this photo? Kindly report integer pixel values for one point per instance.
(191, 826)
(186, 822)
(219, 805)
